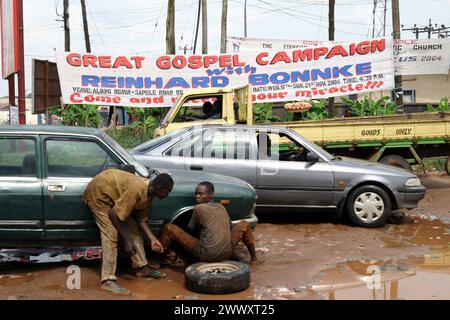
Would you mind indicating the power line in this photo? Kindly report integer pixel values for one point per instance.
(95, 25)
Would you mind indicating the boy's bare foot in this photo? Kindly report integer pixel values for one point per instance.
(258, 258)
(114, 288)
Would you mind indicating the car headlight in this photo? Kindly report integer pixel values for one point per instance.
(413, 182)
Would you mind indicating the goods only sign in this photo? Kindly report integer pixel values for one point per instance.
(285, 75)
(411, 57)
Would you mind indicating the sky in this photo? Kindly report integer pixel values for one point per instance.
(138, 26)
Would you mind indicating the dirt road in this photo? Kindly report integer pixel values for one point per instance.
(306, 258)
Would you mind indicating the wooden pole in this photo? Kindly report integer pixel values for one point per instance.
(223, 38)
(170, 28)
(66, 26)
(85, 27)
(198, 24)
(204, 26)
(398, 92)
(331, 5)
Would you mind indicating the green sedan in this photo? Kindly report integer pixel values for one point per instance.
(45, 169)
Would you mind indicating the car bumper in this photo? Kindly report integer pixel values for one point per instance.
(253, 221)
(410, 196)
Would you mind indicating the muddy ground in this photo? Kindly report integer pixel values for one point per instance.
(307, 257)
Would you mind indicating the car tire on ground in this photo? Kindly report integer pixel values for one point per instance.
(396, 161)
(447, 165)
(218, 277)
(369, 206)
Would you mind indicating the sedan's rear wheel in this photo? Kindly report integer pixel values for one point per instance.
(369, 206)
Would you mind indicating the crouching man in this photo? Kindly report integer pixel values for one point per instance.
(120, 202)
(217, 236)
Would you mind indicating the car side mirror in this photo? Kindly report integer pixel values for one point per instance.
(312, 157)
(128, 168)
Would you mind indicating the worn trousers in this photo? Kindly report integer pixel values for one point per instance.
(110, 237)
(240, 231)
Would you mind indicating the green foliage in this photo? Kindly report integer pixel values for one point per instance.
(78, 115)
(442, 107)
(145, 119)
(288, 117)
(318, 110)
(369, 107)
(263, 113)
(127, 137)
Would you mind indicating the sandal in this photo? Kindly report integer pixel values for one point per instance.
(152, 274)
(117, 291)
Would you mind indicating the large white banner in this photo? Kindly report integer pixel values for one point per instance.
(412, 57)
(285, 75)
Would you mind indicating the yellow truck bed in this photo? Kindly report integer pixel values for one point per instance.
(413, 127)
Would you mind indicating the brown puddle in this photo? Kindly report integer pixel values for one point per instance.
(14, 280)
(416, 278)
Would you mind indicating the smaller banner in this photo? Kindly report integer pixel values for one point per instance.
(422, 56)
(13, 115)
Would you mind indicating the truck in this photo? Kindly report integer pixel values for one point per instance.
(400, 140)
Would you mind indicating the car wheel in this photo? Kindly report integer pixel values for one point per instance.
(218, 277)
(369, 206)
(396, 161)
(447, 165)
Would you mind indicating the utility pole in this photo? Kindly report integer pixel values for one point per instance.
(66, 26)
(245, 18)
(379, 18)
(170, 28)
(398, 92)
(198, 24)
(223, 33)
(85, 27)
(204, 26)
(439, 30)
(21, 73)
(331, 6)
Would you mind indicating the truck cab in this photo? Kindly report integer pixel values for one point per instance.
(208, 106)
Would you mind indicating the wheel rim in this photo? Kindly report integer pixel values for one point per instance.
(216, 268)
(369, 207)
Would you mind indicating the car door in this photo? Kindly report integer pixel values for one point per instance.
(70, 164)
(283, 182)
(21, 212)
(226, 151)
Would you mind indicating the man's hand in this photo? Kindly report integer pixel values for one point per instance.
(128, 248)
(156, 245)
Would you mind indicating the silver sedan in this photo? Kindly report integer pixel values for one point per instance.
(288, 171)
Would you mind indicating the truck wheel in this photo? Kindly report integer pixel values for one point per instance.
(396, 161)
(369, 206)
(447, 165)
(218, 277)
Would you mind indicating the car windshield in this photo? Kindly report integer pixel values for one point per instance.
(128, 157)
(312, 146)
(150, 145)
(171, 111)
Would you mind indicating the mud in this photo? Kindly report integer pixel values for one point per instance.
(307, 257)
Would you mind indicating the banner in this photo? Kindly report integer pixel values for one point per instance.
(286, 75)
(412, 57)
(238, 44)
(422, 56)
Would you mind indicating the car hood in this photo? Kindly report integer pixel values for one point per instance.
(369, 166)
(189, 176)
